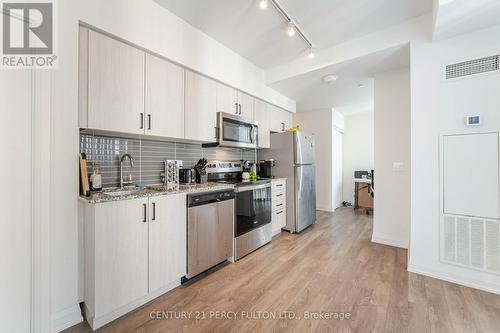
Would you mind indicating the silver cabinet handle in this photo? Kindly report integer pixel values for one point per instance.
(142, 120)
(279, 185)
(279, 195)
(240, 109)
(149, 122)
(279, 212)
(154, 212)
(283, 127)
(236, 105)
(279, 205)
(144, 219)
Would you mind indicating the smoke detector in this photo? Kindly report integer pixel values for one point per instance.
(330, 78)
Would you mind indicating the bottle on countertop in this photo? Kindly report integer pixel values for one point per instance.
(95, 179)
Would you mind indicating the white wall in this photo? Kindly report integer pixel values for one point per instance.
(358, 149)
(439, 107)
(321, 123)
(391, 220)
(148, 25)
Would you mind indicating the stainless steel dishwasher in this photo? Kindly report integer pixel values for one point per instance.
(210, 230)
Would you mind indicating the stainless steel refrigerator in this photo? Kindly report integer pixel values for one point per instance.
(294, 156)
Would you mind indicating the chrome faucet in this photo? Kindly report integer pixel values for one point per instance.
(129, 181)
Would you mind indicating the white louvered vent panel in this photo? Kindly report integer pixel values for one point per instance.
(471, 242)
(492, 246)
(472, 67)
(463, 249)
(477, 243)
(449, 238)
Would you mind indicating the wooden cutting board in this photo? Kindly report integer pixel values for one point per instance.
(84, 176)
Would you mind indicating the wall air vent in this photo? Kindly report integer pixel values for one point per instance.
(472, 67)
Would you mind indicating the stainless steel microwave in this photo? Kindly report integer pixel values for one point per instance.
(235, 131)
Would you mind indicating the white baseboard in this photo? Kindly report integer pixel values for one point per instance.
(388, 240)
(491, 288)
(65, 318)
(329, 210)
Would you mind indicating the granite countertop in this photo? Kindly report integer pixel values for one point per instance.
(109, 195)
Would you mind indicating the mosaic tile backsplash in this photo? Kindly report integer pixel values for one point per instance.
(105, 152)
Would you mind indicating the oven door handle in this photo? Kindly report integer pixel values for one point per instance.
(251, 188)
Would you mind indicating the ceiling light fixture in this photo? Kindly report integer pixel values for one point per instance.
(291, 29)
(361, 85)
(263, 4)
(311, 53)
(330, 78)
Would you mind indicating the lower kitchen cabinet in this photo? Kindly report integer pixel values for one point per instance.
(278, 201)
(167, 236)
(135, 250)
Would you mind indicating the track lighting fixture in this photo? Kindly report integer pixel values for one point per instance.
(263, 4)
(291, 29)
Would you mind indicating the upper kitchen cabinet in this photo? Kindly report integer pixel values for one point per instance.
(262, 112)
(200, 108)
(164, 115)
(230, 100)
(280, 120)
(115, 88)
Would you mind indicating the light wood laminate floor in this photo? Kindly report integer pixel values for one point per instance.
(331, 267)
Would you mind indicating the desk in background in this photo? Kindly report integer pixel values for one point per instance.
(363, 197)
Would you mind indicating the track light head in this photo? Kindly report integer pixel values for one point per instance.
(263, 4)
(291, 29)
(311, 53)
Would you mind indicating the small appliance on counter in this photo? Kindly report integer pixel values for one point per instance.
(187, 176)
(171, 169)
(266, 168)
(201, 174)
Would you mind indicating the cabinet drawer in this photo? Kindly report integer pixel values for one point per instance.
(279, 219)
(278, 185)
(279, 195)
(279, 205)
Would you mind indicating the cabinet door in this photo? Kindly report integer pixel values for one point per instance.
(287, 119)
(167, 234)
(262, 117)
(164, 98)
(246, 105)
(201, 114)
(121, 254)
(227, 99)
(275, 119)
(115, 85)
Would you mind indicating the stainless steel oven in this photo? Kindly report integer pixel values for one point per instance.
(234, 131)
(253, 217)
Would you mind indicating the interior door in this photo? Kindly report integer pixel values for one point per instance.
(337, 162)
(305, 196)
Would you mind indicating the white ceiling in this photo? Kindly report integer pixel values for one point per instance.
(455, 17)
(344, 95)
(260, 35)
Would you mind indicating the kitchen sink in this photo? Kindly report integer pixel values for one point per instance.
(127, 192)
